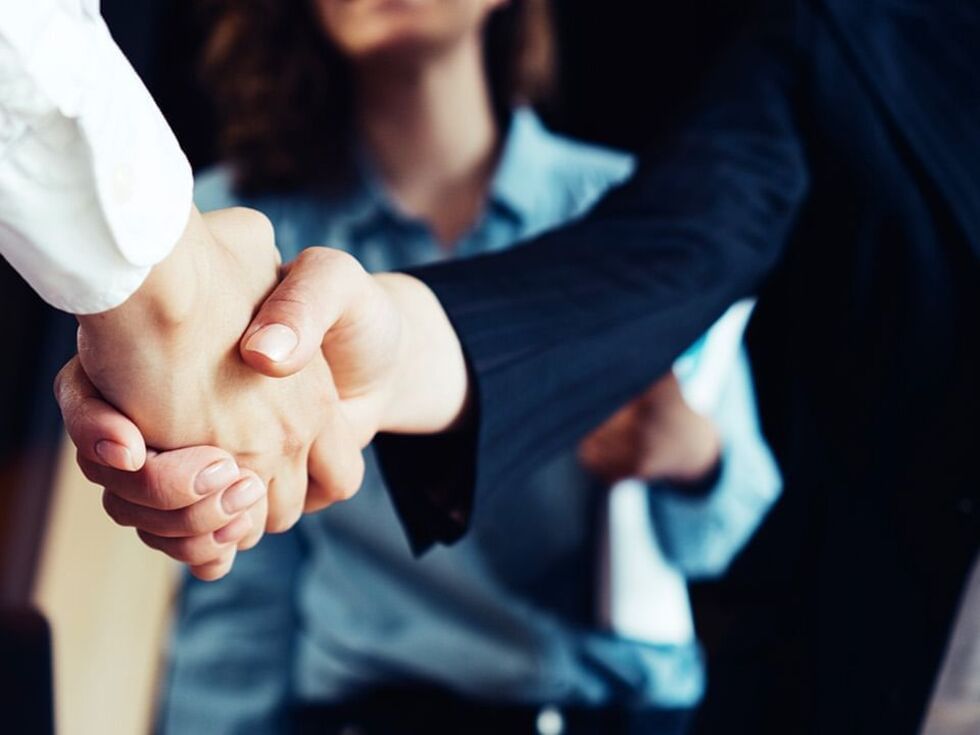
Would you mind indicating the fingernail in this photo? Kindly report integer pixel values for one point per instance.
(235, 530)
(242, 495)
(216, 477)
(275, 341)
(115, 455)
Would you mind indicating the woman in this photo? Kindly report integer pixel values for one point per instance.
(395, 129)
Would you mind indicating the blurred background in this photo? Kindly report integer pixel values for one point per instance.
(627, 72)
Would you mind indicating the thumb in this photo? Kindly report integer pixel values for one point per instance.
(289, 328)
(102, 434)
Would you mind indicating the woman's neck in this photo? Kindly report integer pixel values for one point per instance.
(431, 131)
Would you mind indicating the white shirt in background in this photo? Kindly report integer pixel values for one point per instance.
(94, 188)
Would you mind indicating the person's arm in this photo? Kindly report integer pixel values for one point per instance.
(94, 189)
(96, 214)
(629, 286)
(505, 359)
(391, 349)
(559, 333)
(180, 378)
(702, 532)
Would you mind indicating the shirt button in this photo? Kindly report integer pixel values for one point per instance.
(550, 721)
(122, 183)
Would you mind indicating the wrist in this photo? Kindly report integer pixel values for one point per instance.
(158, 335)
(429, 390)
(167, 299)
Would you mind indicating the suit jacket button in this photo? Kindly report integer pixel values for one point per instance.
(550, 721)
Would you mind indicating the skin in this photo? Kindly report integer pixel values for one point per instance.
(395, 363)
(403, 371)
(422, 102)
(655, 437)
(409, 58)
(166, 358)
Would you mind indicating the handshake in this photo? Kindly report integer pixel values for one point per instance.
(230, 394)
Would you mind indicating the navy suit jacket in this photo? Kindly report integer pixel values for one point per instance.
(833, 166)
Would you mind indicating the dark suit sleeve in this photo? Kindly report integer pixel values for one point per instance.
(560, 332)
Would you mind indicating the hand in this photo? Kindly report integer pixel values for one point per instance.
(167, 358)
(397, 364)
(655, 437)
(394, 357)
(202, 519)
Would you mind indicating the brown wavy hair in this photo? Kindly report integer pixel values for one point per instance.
(282, 93)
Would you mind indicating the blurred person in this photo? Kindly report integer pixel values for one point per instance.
(388, 130)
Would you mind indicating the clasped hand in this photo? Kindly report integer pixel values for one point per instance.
(249, 425)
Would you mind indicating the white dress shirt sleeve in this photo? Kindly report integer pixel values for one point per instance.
(94, 188)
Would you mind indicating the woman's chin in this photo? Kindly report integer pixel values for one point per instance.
(402, 46)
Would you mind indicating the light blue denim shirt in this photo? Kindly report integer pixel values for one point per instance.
(340, 604)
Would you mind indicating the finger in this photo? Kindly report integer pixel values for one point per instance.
(208, 515)
(192, 550)
(235, 531)
(666, 388)
(169, 480)
(287, 493)
(241, 229)
(259, 513)
(102, 434)
(336, 465)
(214, 570)
(602, 459)
(593, 448)
(288, 331)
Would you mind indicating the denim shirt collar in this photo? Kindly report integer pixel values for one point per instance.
(518, 183)
(514, 187)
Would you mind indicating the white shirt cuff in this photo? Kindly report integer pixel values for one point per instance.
(94, 188)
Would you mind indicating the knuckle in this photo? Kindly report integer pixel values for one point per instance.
(251, 541)
(211, 572)
(323, 257)
(284, 519)
(197, 520)
(91, 471)
(59, 384)
(350, 483)
(292, 444)
(113, 509)
(192, 550)
(216, 568)
(156, 488)
(256, 220)
(151, 541)
(319, 497)
(64, 381)
(314, 256)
